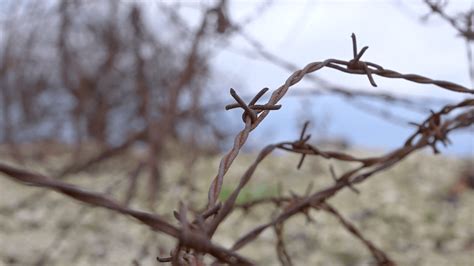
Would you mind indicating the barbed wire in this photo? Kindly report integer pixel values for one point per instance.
(194, 237)
(155, 222)
(354, 66)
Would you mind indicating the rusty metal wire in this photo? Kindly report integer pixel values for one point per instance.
(378, 164)
(354, 66)
(194, 236)
(76, 167)
(323, 85)
(67, 228)
(189, 239)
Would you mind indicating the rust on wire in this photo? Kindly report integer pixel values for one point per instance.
(251, 110)
(356, 64)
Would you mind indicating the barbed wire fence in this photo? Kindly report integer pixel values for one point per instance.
(227, 27)
(195, 236)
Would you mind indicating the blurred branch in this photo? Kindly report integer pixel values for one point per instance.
(463, 24)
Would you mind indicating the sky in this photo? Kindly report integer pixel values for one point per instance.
(306, 31)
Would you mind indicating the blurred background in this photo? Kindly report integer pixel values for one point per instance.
(100, 71)
(145, 82)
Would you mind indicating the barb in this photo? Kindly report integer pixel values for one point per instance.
(356, 64)
(251, 110)
(301, 143)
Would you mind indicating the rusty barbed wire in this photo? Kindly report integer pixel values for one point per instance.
(354, 66)
(194, 236)
(190, 239)
(383, 162)
(324, 85)
(348, 179)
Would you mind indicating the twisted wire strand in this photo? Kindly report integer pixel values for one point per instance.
(297, 76)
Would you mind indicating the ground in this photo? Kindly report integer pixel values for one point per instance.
(405, 211)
